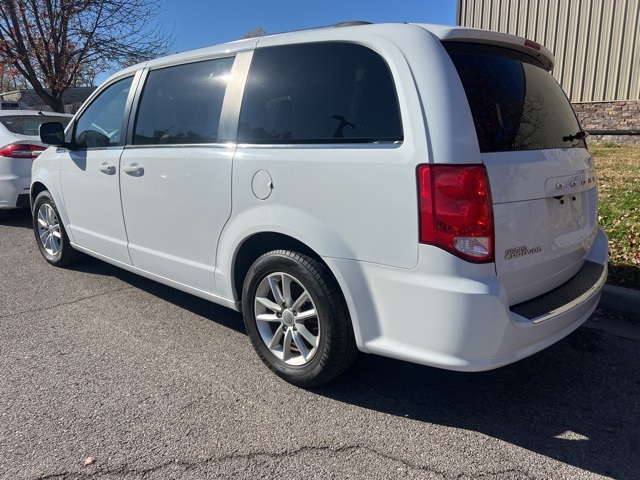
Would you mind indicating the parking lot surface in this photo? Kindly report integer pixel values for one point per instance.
(143, 381)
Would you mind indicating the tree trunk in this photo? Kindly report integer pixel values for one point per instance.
(56, 104)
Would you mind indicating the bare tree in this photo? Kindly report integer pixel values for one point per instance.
(256, 32)
(56, 44)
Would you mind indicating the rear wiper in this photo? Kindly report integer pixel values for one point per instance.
(578, 136)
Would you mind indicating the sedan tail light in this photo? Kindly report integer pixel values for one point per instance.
(21, 150)
(456, 211)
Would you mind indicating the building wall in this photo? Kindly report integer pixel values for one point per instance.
(28, 99)
(606, 120)
(596, 42)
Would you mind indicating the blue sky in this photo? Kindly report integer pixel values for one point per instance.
(199, 23)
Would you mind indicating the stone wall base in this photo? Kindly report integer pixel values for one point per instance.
(621, 115)
(627, 139)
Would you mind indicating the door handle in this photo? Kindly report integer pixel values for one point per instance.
(134, 169)
(108, 169)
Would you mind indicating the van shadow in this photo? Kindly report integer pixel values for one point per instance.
(204, 308)
(577, 402)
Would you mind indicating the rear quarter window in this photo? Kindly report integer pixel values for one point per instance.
(516, 105)
(319, 93)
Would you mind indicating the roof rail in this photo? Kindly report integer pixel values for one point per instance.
(351, 24)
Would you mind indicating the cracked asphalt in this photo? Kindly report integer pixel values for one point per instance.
(156, 384)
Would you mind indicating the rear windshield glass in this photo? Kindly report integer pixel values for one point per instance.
(515, 104)
(29, 124)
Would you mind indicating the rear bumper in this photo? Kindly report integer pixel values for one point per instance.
(14, 181)
(451, 314)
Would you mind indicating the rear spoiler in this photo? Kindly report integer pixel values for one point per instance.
(487, 37)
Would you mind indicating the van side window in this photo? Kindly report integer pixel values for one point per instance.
(182, 104)
(319, 93)
(100, 125)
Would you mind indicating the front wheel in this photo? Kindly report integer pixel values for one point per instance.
(297, 319)
(50, 233)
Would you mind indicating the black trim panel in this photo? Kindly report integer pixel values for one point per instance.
(566, 293)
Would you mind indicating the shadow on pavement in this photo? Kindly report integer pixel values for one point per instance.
(204, 308)
(577, 402)
(19, 217)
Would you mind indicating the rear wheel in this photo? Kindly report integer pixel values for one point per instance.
(297, 319)
(50, 233)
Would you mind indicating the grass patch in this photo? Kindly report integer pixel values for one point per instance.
(618, 170)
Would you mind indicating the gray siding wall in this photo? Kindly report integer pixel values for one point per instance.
(596, 42)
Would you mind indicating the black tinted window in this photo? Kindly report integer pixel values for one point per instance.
(515, 104)
(100, 124)
(182, 104)
(319, 93)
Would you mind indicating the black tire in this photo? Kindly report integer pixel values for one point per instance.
(50, 234)
(320, 347)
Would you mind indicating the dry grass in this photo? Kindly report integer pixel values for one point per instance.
(618, 169)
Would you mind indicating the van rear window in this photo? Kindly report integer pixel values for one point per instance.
(515, 104)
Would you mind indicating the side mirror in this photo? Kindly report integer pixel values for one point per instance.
(52, 133)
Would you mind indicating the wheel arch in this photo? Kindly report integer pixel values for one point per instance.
(257, 245)
(38, 186)
(36, 189)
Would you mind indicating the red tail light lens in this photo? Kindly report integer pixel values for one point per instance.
(455, 210)
(21, 150)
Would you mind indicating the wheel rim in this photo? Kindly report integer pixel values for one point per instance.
(287, 319)
(49, 229)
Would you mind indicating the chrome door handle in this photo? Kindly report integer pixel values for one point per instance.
(108, 169)
(134, 169)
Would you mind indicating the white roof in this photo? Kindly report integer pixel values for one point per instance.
(442, 32)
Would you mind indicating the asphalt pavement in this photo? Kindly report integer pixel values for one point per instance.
(139, 380)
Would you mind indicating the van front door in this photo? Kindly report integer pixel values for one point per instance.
(89, 174)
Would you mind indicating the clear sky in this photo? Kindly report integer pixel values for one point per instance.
(199, 23)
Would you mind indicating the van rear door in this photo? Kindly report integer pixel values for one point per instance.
(542, 177)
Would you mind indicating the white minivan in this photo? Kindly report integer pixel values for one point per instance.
(415, 191)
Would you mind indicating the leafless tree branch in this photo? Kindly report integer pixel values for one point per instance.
(56, 44)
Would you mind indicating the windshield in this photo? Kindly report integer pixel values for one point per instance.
(515, 104)
(29, 124)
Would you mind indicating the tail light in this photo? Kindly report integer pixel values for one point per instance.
(21, 150)
(455, 210)
(532, 44)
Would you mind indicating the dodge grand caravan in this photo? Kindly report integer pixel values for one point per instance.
(415, 191)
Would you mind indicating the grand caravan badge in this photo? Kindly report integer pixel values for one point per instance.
(518, 252)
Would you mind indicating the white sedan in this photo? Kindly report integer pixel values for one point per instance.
(19, 145)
